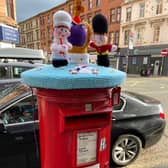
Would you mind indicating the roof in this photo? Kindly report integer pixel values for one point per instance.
(21, 53)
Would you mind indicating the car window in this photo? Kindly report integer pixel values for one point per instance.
(4, 72)
(23, 111)
(18, 70)
(119, 107)
(12, 92)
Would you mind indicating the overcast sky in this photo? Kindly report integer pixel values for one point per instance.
(27, 8)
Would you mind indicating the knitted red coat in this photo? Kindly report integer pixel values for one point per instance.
(103, 48)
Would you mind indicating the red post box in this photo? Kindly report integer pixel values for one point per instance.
(75, 123)
(75, 127)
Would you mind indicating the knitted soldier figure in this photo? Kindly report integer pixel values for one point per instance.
(99, 40)
(60, 46)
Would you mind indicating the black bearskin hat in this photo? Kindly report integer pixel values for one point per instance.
(99, 24)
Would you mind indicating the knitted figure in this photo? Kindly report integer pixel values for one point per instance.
(60, 46)
(80, 37)
(99, 40)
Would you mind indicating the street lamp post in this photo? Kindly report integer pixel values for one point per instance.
(117, 56)
(127, 58)
(130, 47)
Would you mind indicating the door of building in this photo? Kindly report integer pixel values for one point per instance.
(156, 67)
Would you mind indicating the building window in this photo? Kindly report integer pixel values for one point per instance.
(118, 18)
(156, 34)
(27, 37)
(159, 7)
(37, 35)
(111, 37)
(24, 40)
(8, 8)
(139, 37)
(90, 5)
(112, 16)
(48, 32)
(142, 10)
(32, 37)
(97, 12)
(126, 37)
(116, 37)
(42, 20)
(128, 14)
(134, 60)
(123, 60)
(37, 23)
(30, 24)
(38, 45)
(90, 19)
(71, 9)
(97, 2)
(82, 18)
(44, 35)
(48, 18)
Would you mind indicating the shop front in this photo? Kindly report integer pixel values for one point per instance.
(146, 60)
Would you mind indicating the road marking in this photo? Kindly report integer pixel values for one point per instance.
(133, 83)
(162, 87)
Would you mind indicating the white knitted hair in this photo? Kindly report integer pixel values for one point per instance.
(62, 18)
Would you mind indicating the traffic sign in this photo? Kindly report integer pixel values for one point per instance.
(164, 52)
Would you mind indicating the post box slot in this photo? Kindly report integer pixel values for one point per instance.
(86, 121)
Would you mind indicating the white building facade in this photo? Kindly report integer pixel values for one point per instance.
(147, 22)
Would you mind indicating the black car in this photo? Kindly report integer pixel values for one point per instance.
(138, 122)
(10, 72)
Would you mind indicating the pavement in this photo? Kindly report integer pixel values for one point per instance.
(157, 87)
(139, 76)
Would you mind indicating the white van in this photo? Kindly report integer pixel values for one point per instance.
(21, 54)
(14, 61)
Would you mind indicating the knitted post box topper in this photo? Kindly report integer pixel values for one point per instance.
(99, 40)
(60, 46)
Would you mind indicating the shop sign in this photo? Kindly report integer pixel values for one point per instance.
(9, 34)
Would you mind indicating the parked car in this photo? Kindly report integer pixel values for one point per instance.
(138, 122)
(8, 82)
(14, 61)
(12, 70)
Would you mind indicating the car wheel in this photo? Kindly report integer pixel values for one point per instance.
(125, 149)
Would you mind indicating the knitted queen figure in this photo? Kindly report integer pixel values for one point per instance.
(80, 37)
(60, 46)
(99, 40)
